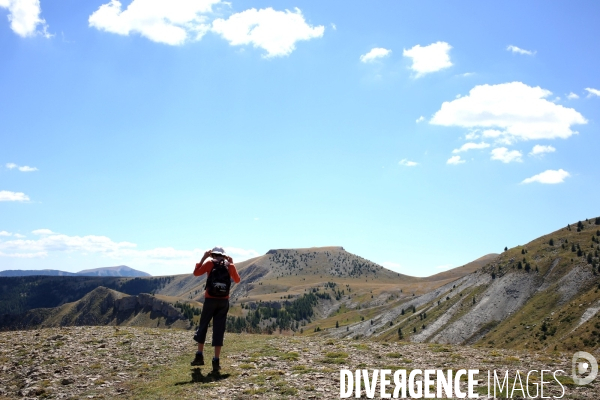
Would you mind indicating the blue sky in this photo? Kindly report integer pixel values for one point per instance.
(418, 134)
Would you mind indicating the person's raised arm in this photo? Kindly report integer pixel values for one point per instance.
(233, 272)
(197, 271)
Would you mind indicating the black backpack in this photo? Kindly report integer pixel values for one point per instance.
(218, 282)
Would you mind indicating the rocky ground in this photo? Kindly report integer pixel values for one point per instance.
(83, 362)
(138, 363)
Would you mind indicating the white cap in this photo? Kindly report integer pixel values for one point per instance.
(218, 250)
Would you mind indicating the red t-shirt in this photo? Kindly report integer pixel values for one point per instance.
(207, 267)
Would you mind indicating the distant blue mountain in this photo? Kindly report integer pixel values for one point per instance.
(119, 271)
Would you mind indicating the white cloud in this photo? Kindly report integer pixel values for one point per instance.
(44, 232)
(374, 54)
(492, 133)
(24, 168)
(6, 233)
(274, 31)
(430, 58)
(175, 22)
(471, 146)
(572, 96)
(517, 50)
(592, 92)
(506, 156)
(408, 163)
(472, 135)
(333, 26)
(23, 255)
(539, 149)
(24, 17)
(455, 160)
(511, 111)
(240, 254)
(5, 195)
(170, 22)
(420, 119)
(50, 242)
(549, 177)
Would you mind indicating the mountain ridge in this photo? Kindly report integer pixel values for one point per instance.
(540, 295)
(537, 296)
(101, 306)
(117, 271)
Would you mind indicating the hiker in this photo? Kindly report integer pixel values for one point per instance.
(220, 270)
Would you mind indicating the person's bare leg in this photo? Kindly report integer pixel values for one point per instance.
(201, 347)
(217, 351)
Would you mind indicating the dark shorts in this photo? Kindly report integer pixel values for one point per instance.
(215, 309)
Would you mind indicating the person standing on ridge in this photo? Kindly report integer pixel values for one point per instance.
(221, 271)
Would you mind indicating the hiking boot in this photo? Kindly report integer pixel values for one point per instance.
(215, 364)
(199, 360)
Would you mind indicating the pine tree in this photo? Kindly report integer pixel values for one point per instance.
(506, 248)
(402, 312)
(551, 243)
(337, 324)
(400, 335)
(597, 221)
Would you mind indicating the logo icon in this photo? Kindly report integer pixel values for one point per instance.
(580, 368)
